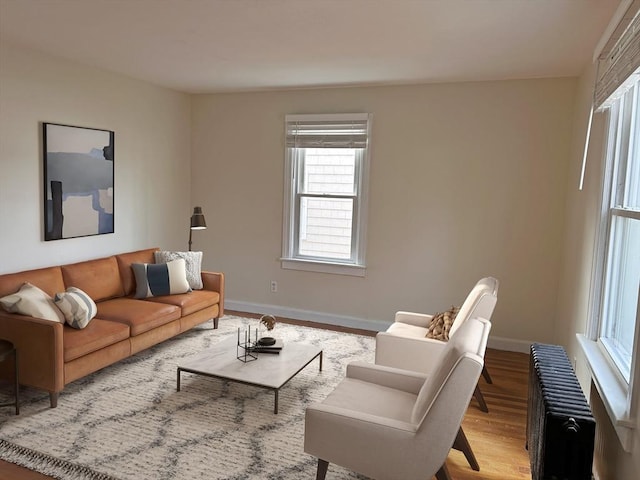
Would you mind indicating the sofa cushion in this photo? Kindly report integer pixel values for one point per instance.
(124, 265)
(190, 302)
(100, 278)
(372, 399)
(47, 279)
(193, 265)
(140, 315)
(32, 301)
(77, 307)
(153, 280)
(98, 334)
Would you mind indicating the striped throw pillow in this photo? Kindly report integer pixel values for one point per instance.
(77, 307)
(156, 279)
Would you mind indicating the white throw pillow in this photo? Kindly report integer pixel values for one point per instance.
(193, 265)
(32, 301)
(78, 307)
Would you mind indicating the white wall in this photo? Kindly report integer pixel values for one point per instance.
(611, 462)
(152, 153)
(467, 180)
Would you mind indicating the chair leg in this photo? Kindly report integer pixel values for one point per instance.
(443, 473)
(53, 399)
(480, 398)
(462, 444)
(215, 323)
(323, 466)
(485, 374)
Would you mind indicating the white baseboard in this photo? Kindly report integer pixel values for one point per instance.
(298, 314)
(509, 344)
(497, 343)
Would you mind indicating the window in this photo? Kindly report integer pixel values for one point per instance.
(612, 342)
(325, 202)
(611, 345)
(620, 230)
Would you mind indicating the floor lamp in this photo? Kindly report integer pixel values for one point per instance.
(197, 222)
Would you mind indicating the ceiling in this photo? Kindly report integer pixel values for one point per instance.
(201, 46)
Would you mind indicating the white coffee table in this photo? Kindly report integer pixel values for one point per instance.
(271, 371)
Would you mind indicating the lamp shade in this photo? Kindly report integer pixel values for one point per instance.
(197, 219)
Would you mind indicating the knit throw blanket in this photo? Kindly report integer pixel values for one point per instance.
(441, 324)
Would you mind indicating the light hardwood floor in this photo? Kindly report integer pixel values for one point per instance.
(497, 438)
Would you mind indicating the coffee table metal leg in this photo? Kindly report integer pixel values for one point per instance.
(178, 383)
(320, 360)
(275, 408)
(15, 359)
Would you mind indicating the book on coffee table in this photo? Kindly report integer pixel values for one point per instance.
(275, 348)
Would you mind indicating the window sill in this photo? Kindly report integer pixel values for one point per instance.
(612, 390)
(323, 267)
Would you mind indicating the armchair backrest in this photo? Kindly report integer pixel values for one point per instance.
(479, 303)
(468, 345)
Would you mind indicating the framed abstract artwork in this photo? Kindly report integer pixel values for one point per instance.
(78, 181)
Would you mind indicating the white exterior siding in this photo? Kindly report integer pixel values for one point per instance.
(326, 223)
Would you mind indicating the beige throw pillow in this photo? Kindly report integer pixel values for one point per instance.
(441, 324)
(32, 301)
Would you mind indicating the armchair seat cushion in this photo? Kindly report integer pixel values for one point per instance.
(373, 399)
(407, 330)
(189, 302)
(96, 335)
(139, 316)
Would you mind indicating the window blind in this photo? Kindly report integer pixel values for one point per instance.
(617, 63)
(327, 131)
(620, 58)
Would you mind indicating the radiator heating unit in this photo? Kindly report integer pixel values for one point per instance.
(560, 426)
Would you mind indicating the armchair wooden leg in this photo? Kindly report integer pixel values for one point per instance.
(53, 399)
(485, 374)
(480, 398)
(462, 444)
(323, 466)
(443, 473)
(215, 323)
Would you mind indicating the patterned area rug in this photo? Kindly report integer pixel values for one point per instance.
(127, 421)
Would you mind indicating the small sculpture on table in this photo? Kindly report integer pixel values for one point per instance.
(269, 321)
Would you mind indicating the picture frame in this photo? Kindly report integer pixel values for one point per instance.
(78, 181)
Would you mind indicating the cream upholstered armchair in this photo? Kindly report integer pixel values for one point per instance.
(388, 423)
(404, 344)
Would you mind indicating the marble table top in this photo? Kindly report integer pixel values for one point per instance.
(269, 370)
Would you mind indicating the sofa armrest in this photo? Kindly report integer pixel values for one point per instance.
(39, 344)
(418, 354)
(417, 319)
(360, 441)
(398, 379)
(325, 413)
(214, 282)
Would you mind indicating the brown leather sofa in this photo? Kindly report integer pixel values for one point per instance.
(52, 355)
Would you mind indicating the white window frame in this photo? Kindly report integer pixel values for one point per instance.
(356, 265)
(619, 395)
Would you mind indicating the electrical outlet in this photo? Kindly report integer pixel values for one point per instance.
(274, 286)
